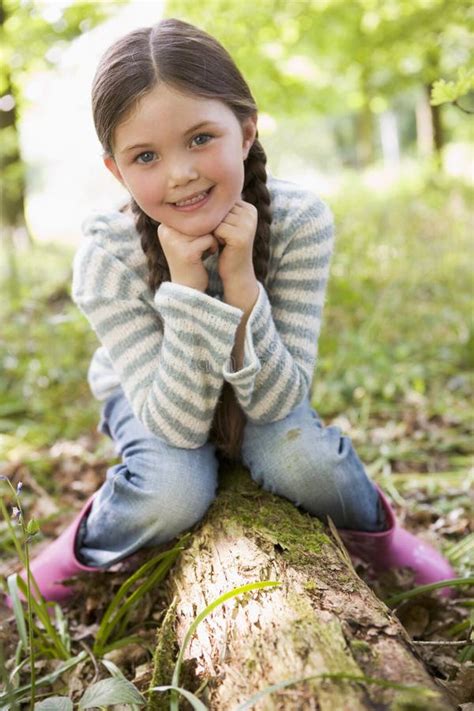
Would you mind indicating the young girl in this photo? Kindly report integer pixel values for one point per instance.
(206, 291)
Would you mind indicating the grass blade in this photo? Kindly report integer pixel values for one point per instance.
(158, 575)
(419, 690)
(421, 589)
(460, 549)
(62, 627)
(202, 615)
(193, 700)
(117, 608)
(19, 693)
(18, 609)
(39, 607)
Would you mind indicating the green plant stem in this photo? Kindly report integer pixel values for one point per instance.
(42, 613)
(30, 624)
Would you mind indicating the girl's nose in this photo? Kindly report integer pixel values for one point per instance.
(181, 173)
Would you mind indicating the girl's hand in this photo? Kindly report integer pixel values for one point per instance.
(184, 256)
(237, 233)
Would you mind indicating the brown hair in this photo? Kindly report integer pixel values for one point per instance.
(184, 57)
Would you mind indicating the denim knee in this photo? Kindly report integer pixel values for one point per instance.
(176, 496)
(155, 493)
(316, 467)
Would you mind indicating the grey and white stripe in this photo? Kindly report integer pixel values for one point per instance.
(171, 351)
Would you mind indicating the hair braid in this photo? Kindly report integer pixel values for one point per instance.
(256, 192)
(227, 427)
(158, 269)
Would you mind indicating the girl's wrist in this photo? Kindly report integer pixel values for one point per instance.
(242, 293)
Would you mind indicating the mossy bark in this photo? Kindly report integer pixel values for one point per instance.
(321, 620)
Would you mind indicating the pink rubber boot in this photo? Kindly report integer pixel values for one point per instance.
(58, 562)
(397, 548)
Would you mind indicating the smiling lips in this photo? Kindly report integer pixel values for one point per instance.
(195, 200)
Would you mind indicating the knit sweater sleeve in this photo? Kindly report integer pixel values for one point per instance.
(167, 349)
(281, 336)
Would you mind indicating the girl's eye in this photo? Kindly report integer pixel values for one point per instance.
(146, 157)
(202, 135)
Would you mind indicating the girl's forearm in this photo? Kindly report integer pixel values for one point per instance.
(242, 295)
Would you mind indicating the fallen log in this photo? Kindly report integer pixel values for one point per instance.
(322, 621)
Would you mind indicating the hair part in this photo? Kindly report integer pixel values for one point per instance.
(190, 60)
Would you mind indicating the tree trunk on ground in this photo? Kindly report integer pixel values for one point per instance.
(322, 619)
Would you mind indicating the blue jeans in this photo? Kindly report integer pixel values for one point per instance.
(158, 491)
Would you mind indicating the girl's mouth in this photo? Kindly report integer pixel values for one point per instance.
(195, 203)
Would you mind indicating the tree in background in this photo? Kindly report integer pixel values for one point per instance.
(339, 57)
(346, 60)
(29, 32)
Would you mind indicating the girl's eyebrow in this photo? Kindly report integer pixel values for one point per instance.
(190, 130)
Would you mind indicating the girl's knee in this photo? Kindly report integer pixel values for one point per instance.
(297, 448)
(311, 465)
(175, 492)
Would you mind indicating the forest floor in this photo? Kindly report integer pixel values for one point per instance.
(394, 372)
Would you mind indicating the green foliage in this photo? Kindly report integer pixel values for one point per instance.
(45, 345)
(129, 594)
(397, 329)
(31, 36)
(106, 692)
(444, 91)
(30, 30)
(111, 691)
(334, 56)
(422, 589)
(42, 638)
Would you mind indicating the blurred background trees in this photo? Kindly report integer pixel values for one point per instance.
(348, 83)
(30, 38)
(364, 101)
(343, 89)
(349, 61)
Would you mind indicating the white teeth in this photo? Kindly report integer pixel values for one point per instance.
(191, 201)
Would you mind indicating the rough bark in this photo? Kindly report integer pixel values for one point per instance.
(322, 619)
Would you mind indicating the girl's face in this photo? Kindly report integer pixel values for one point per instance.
(162, 155)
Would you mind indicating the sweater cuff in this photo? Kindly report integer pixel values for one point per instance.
(206, 306)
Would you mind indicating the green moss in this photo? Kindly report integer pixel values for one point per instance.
(298, 535)
(414, 701)
(358, 645)
(251, 665)
(307, 629)
(163, 661)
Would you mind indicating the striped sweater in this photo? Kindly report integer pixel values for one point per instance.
(171, 350)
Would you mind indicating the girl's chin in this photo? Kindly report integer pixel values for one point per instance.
(195, 226)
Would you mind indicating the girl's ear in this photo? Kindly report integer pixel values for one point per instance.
(111, 165)
(249, 130)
